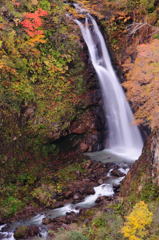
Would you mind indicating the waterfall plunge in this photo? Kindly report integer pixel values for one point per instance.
(124, 137)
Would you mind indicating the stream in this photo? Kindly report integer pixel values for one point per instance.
(124, 144)
(106, 189)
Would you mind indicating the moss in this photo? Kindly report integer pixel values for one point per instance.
(70, 172)
(105, 226)
(150, 192)
(77, 236)
(20, 232)
(10, 206)
(44, 194)
(73, 234)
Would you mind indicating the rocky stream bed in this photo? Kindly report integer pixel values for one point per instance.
(98, 185)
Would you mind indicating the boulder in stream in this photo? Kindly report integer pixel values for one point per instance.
(117, 173)
(25, 232)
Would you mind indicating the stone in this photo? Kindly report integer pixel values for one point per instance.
(71, 217)
(100, 199)
(80, 129)
(68, 194)
(90, 191)
(117, 173)
(24, 232)
(84, 147)
(100, 181)
(88, 164)
(47, 221)
(58, 204)
(76, 196)
(78, 173)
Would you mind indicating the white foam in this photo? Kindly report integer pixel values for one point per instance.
(117, 181)
(57, 212)
(2, 226)
(7, 236)
(109, 173)
(126, 154)
(124, 171)
(101, 190)
(37, 220)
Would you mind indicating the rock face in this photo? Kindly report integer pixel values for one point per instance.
(89, 127)
(155, 158)
(145, 170)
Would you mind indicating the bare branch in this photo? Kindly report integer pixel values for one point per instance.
(135, 27)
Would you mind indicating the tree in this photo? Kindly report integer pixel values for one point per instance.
(143, 84)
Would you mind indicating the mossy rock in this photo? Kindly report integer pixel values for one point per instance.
(10, 205)
(23, 232)
(45, 194)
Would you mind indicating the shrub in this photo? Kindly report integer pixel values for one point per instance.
(135, 225)
(77, 236)
(69, 235)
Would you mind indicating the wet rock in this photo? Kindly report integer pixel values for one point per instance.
(100, 171)
(47, 221)
(110, 198)
(6, 228)
(100, 199)
(116, 188)
(28, 212)
(117, 173)
(84, 147)
(68, 194)
(78, 173)
(43, 232)
(86, 190)
(90, 170)
(93, 177)
(100, 181)
(67, 201)
(88, 164)
(104, 178)
(24, 232)
(82, 211)
(80, 129)
(58, 204)
(90, 191)
(77, 196)
(62, 221)
(71, 217)
(82, 190)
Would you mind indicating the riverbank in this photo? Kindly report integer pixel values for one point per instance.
(78, 190)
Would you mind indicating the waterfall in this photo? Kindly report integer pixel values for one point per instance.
(124, 138)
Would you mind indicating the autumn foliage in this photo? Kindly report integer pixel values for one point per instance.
(143, 84)
(137, 221)
(33, 22)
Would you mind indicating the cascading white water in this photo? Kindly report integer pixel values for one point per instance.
(124, 137)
